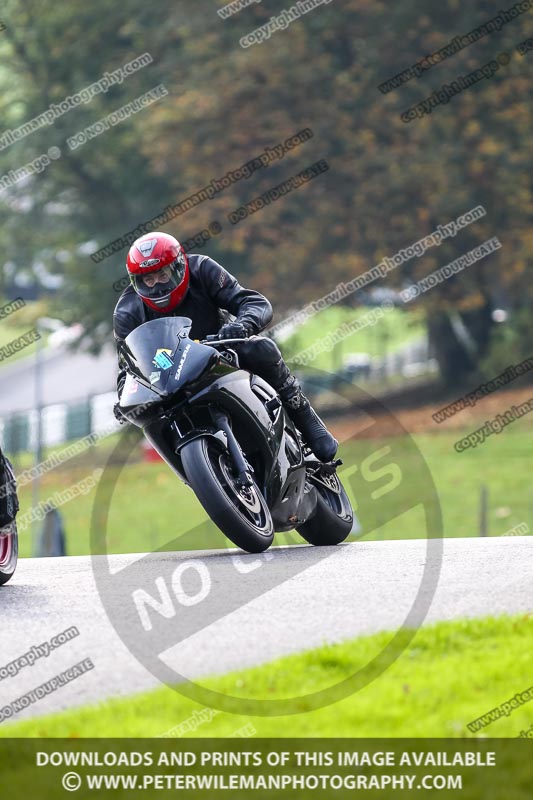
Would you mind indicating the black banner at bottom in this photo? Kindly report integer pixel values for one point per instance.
(336, 769)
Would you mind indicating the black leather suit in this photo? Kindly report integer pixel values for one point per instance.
(212, 293)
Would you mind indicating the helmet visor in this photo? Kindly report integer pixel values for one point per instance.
(159, 284)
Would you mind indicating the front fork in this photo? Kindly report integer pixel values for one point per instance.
(242, 468)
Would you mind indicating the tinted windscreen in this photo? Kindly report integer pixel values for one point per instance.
(161, 352)
(153, 344)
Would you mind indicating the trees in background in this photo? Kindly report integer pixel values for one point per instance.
(388, 185)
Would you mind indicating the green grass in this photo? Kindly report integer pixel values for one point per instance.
(151, 507)
(500, 464)
(395, 329)
(450, 674)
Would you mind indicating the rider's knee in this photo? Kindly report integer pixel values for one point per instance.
(263, 350)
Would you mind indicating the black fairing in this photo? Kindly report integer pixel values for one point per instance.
(177, 380)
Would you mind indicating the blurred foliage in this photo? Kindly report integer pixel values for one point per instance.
(389, 184)
(511, 344)
(27, 316)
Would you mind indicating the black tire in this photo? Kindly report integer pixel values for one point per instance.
(333, 520)
(244, 518)
(8, 563)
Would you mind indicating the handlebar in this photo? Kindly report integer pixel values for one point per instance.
(213, 340)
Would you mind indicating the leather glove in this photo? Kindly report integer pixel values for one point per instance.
(118, 413)
(234, 330)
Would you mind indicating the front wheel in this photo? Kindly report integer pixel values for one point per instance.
(8, 551)
(333, 520)
(241, 513)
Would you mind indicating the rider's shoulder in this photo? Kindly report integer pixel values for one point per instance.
(207, 272)
(128, 301)
(203, 271)
(198, 263)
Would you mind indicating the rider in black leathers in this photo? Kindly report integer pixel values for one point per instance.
(204, 291)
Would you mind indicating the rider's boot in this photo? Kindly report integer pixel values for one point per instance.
(299, 409)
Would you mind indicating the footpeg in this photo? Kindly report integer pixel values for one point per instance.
(327, 467)
(331, 466)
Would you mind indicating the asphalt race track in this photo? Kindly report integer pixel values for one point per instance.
(303, 597)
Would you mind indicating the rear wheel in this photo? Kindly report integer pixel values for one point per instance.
(241, 513)
(8, 551)
(333, 519)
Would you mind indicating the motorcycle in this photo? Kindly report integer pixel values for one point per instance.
(226, 435)
(9, 507)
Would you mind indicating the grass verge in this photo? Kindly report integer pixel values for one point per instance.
(451, 674)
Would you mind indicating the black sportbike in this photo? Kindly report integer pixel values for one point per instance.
(224, 432)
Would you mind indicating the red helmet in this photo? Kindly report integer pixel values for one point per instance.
(158, 270)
